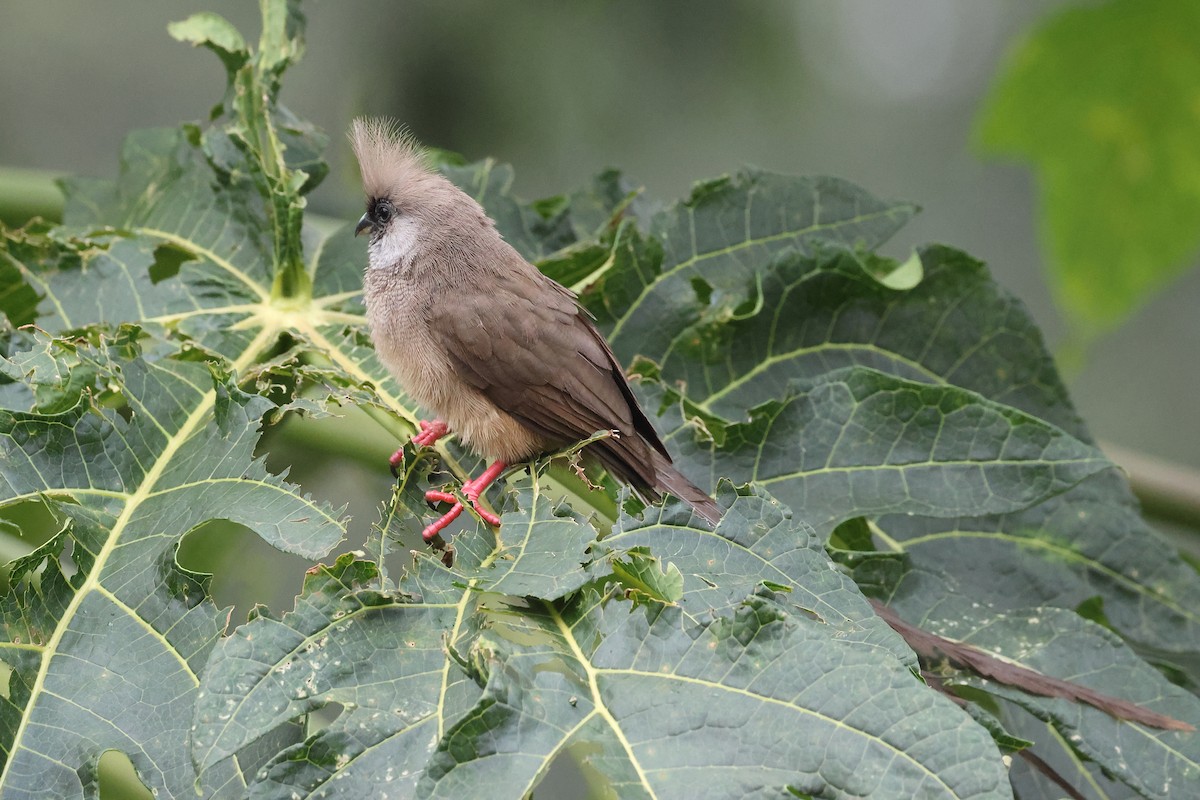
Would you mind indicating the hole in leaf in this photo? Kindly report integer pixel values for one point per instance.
(753, 303)
(247, 571)
(111, 395)
(124, 412)
(854, 535)
(66, 559)
(30, 523)
(570, 770)
(23, 528)
(168, 258)
(119, 780)
(703, 290)
(1093, 609)
(21, 300)
(323, 717)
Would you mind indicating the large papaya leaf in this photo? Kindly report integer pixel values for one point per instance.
(663, 709)
(862, 442)
(646, 698)
(105, 634)
(761, 382)
(772, 305)
(133, 437)
(801, 379)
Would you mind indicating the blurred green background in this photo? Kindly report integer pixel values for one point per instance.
(887, 94)
(883, 93)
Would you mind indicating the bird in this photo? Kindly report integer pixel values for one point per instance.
(506, 357)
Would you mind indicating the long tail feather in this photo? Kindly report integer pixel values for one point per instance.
(672, 480)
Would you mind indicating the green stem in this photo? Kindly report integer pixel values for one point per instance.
(1167, 491)
(29, 193)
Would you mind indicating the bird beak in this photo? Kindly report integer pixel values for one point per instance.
(363, 224)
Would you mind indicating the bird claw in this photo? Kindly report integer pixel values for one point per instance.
(472, 489)
(443, 522)
(433, 497)
(430, 433)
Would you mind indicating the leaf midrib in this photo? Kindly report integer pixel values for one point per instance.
(598, 705)
(600, 708)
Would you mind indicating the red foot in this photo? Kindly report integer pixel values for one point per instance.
(430, 432)
(472, 489)
(434, 528)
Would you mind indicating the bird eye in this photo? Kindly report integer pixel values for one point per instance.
(384, 212)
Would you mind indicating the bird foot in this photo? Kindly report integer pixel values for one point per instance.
(472, 489)
(430, 432)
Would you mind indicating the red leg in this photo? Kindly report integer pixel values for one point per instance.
(472, 489)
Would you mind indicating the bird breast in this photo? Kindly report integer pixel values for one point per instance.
(398, 314)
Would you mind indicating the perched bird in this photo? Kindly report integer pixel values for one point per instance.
(505, 356)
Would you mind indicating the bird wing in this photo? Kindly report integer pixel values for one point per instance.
(528, 347)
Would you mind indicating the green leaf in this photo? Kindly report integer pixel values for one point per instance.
(817, 313)
(534, 235)
(216, 33)
(1057, 642)
(269, 671)
(663, 708)
(345, 625)
(757, 543)
(1088, 543)
(775, 352)
(706, 252)
(106, 633)
(647, 578)
(1031, 784)
(858, 441)
(522, 681)
(1100, 101)
(812, 314)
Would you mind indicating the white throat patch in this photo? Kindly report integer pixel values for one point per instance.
(398, 246)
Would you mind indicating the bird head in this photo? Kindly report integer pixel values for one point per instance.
(409, 205)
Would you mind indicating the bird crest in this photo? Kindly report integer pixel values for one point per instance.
(389, 158)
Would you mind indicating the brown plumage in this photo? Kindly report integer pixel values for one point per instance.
(502, 354)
